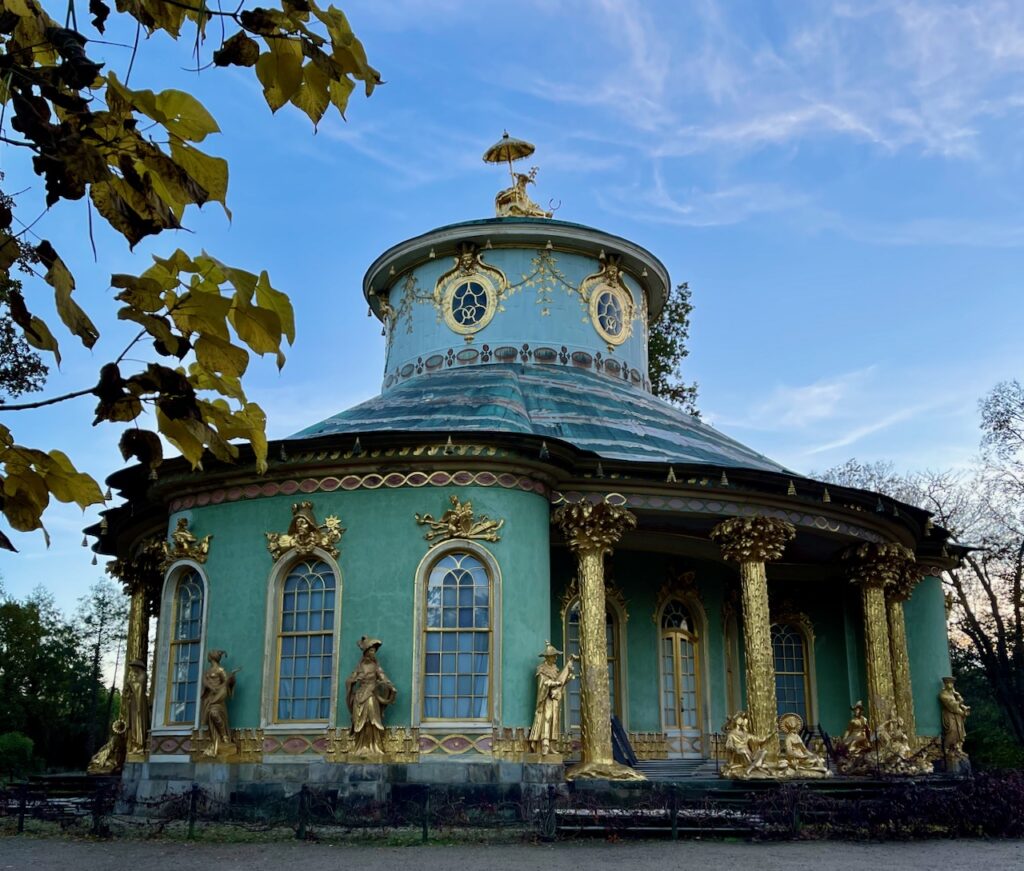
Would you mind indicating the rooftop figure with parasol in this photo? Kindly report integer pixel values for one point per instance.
(513, 202)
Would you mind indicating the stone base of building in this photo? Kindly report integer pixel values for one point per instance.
(148, 787)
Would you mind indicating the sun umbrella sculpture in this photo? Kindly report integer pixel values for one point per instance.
(513, 201)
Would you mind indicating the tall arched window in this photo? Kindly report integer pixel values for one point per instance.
(791, 670)
(305, 643)
(457, 643)
(680, 695)
(185, 650)
(572, 646)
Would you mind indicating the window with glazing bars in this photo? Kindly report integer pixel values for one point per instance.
(186, 646)
(572, 646)
(790, 653)
(457, 640)
(306, 643)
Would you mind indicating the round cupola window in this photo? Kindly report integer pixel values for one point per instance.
(611, 311)
(469, 302)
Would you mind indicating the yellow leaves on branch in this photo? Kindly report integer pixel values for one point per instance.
(300, 66)
(29, 478)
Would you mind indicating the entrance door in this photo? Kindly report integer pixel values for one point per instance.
(680, 684)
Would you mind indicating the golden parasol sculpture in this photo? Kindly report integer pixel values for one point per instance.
(513, 202)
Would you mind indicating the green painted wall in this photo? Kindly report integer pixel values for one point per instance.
(380, 552)
(928, 649)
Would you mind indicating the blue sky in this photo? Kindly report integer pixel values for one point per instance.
(842, 184)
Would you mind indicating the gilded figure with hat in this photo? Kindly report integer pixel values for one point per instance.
(551, 684)
(368, 691)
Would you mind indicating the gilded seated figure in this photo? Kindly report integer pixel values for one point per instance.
(856, 739)
(746, 755)
(514, 202)
(801, 760)
(368, 691)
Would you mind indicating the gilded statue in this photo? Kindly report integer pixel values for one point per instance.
(184, 545)
(218, 686)
(368, 691)
(800, 760)
(551, 684)
(459, 522)
(954, 716)
(109, 759)
(746, 754)
(135, 708)
(514, 202)
(304, 534)
(856, 739)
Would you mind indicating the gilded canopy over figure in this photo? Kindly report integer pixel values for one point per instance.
(368, 691)
(550, 691)
(218, 686)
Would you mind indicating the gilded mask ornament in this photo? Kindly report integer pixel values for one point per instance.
(459, 522)
(305, 535)
(184, 545)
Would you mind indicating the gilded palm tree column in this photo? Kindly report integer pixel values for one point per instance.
(591, 531)
(875, 568)
(751, 541)
(896, 595)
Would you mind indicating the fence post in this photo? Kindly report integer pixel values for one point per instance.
(426, 812)
(98, 800)
(22, 802)
(673, 809)
(548, 820)
(300, 831)
(193, 807)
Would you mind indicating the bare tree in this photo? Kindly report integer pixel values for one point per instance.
(983, 508)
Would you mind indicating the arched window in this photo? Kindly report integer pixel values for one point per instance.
(572, 646)
(789, 647)
(680, 696)
(185, 654)
(305, 643)
(457, 639)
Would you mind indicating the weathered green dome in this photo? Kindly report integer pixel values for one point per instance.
(593, 412)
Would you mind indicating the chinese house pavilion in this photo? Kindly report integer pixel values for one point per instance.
(516, 490)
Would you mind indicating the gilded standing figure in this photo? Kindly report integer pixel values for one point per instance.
(218, 686)
(135, 707)
(550, 690)
(368, 691)
(954, 716)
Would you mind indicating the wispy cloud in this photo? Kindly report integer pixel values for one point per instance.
(864, 430)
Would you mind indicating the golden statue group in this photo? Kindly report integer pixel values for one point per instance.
(782, 755)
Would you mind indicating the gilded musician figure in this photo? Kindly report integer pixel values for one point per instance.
(368, 691)
(550, 690)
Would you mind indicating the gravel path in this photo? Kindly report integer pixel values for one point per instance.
(40, 854)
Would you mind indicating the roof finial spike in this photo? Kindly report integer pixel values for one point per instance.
(85, 541)
(108, 495)
(449, 448)
(545, 454)
(599, 472)
(826, 496)
(357, 448)
(94, 559)
(283, 453)
(879, 507)
(724, 481)
(791, 489)
(549, 246)
(671, 477)
(431, 254)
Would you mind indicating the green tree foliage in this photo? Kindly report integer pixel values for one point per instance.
(984, 509)
(21, 369)
(667, 350)
(46, 679)
(102, 622)
(139, 157)
(17, 755)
